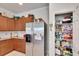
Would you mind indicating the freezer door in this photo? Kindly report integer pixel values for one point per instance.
(29, 27)
(29, 45)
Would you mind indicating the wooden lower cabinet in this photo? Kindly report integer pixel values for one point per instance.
(9, 45)
(5, 47)
(19, 45)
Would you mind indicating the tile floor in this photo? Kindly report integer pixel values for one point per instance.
(15, 53)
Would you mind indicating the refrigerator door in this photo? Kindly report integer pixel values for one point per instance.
(29, 27)
(29, 45)
(36, 46)
(38, 41)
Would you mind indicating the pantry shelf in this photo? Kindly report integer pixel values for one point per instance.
(63, 35)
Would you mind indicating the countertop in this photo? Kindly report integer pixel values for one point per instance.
(12, 38)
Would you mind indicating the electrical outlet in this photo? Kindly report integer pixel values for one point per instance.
(78, 52)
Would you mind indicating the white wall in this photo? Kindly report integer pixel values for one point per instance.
(51, 33)
(56, 9)
(4, 35)
(6, 13)
(76, 32)
(38, 13)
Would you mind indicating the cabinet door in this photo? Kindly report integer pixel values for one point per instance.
(3, 23)
(20, 45)
(5, 47)
(20, 26)
(28, 20)
(11, 24)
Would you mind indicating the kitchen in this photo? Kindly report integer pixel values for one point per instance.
(39, 29)
(13, 28)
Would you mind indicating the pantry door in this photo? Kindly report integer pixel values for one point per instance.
(76, 32)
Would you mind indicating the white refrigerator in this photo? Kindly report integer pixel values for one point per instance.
(37, 44)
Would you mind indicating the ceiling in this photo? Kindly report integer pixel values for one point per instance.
(17, 8)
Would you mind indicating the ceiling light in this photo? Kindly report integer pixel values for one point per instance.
(20, 3)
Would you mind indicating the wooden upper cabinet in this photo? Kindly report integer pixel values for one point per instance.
(7, 24)
(11, 24)
(3, 23)
(19, 26)
(27, 20)
(20, 23)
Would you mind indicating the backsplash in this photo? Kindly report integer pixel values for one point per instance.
(11, 34)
